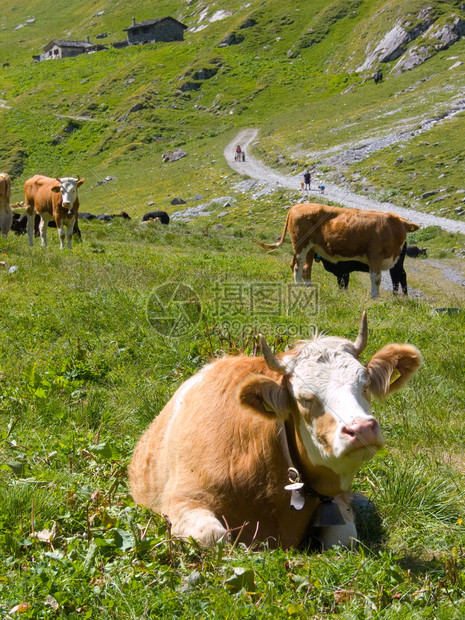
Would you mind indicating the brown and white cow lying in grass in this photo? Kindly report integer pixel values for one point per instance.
(53, 199)
(6, 213)
(217, 459)
(336, 234)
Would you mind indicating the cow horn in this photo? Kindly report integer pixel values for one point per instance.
(362, 337)
(58, 179)
(271, 361)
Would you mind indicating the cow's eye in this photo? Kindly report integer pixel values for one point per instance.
(366, 392)
(309, 405)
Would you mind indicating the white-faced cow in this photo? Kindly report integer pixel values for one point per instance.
(53, 199)
(6, 213)
(261, 446)
(371, 237)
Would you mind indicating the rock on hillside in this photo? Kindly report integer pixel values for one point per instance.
(392, 45)
(438, 37)
(431, 36)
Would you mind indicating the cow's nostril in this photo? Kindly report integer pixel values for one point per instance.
(361, 431)
(346, 430)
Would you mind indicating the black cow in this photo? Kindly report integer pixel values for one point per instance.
(397, 273)
(103, 217)
(414, 252)
(377, 76)
(343, 269)
(19, 225)
(157, 215)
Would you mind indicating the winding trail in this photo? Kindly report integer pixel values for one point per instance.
(257, 170)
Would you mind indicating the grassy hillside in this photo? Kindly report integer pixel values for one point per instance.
(84, 366)
(306, 97)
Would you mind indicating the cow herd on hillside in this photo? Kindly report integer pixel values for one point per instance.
(343, 240)
(262, 448)
(52, 203)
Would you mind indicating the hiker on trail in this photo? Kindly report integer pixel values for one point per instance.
(321, 187)
(238, 153)
(307, 179)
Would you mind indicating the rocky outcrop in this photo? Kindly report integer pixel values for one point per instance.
(175, 155)
(390, 47)
(448, 34)
(414, 57)
(231, 39)
(205, 73)
(190, 86)
(249, 23)
(178, 201)
(433, 36)
(438, 37)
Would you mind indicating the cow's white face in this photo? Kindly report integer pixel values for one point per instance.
(326, 391)
(68, 189)
(331, 391)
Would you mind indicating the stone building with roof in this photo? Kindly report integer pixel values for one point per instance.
(67, 49)
(155, 31)
(162, 29)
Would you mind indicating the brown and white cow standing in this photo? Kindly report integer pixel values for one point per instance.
(6, 213)
(371, 237)
(218, 457)
(55, 199)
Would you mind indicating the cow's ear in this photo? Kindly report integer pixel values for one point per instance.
(80, 182)
(265, 396)
(391, 367)
(56, 188)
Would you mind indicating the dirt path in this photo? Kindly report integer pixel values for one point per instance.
(79, 118)
(255, 169)
(3, 104)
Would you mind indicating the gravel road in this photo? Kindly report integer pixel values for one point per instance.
(255, 169)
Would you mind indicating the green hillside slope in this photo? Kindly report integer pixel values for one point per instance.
(293, 72)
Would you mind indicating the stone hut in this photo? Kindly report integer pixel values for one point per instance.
(67, 49)
(155, 30)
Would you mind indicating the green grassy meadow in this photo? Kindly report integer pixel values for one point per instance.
(87, 360)
(84, 369)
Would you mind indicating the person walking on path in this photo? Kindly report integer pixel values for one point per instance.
(307, 179)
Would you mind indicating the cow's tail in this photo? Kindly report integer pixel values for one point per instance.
(274, 246)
